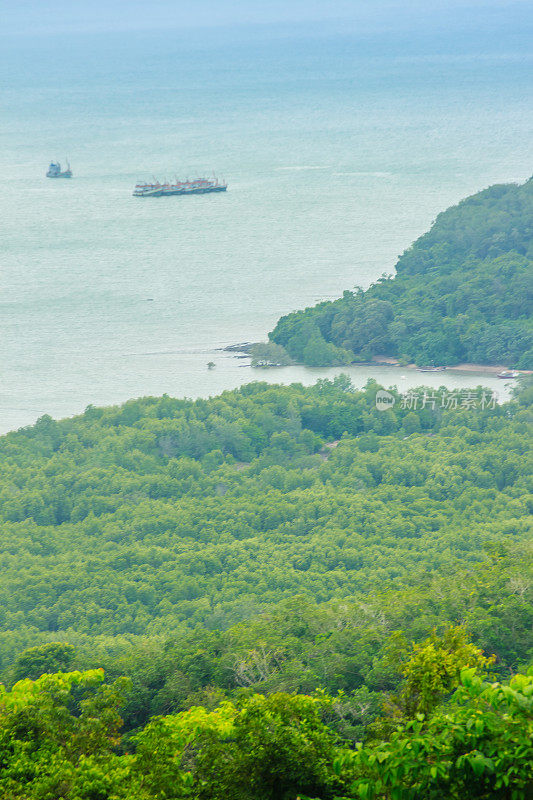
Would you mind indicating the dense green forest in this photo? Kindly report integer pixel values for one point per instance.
(166, 514)
(462, 292)
(277, 592)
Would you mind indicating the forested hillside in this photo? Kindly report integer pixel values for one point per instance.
(280, 573)
(462, 292)
(164, 514)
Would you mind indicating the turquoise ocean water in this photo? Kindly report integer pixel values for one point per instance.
(338, 154)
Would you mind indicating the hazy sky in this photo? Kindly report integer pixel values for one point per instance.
(45, 16)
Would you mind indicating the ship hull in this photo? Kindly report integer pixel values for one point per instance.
(172, 192)
(168, 192)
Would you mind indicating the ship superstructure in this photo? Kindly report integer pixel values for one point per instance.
(55, 171)
(196, 186)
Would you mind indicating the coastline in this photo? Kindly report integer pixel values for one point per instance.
(482, 369)
(243, 349)
(155, 374)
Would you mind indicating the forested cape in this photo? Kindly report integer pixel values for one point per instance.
(307, 596)
(462, 292)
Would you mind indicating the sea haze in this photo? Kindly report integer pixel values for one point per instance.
(339, 150)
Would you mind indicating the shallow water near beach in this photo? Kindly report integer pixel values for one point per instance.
(337, 157)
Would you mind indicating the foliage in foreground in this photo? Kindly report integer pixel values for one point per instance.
(59, 739)
(479, 745)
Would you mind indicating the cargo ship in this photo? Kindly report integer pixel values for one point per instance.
(196, 186)
(54, 170)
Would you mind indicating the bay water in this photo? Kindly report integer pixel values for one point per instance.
(338, 155)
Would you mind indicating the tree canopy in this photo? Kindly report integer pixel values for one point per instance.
(59, 738)
(276, 593)
(162, 514)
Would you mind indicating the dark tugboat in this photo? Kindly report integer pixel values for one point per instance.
(54, 170)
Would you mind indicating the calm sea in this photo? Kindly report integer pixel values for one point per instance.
(337, 153)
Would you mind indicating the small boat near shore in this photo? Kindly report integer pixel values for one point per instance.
(508, 374)
(196, 186)
(430, 369)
